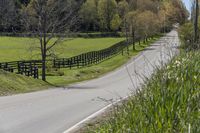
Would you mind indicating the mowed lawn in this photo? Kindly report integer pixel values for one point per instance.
(21, 48)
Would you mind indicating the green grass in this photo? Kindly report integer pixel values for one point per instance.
(168, 103)
(12, 84)
(18, 48)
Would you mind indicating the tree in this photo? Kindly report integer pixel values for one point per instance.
(147, 24)
(89, 14)
(150, 5)
(196, 21)
(45, 18)
(123, 8)
(106, 11)
(116, 22)
(132, 24)
(7, 14)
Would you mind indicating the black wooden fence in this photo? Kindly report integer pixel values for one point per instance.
(27, 68)
(89, 58)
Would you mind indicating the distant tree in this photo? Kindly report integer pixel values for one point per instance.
(7, 14)
(150, 5)
(196, 21)
(106, 11)
(133, 4)
(116, 22)
(132, 24)
(89, 14)
(23, 2)
(147, 24)
(46, 18)
(123, 8)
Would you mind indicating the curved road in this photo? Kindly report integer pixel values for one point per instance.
(56, 110)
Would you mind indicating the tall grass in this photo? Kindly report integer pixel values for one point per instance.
(168, 103)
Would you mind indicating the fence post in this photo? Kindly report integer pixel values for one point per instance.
(54, 63)
(35, 71)
(70, 63)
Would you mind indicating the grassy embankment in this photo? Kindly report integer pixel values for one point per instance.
(168, 103)
(12, 84)
(16, 46)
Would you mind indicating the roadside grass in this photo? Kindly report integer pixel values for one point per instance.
(21, 48)
(168, 103)
(12, 84)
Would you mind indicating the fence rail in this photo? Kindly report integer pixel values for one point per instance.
(89, 58)
(27, 68)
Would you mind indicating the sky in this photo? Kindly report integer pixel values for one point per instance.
(187, 4)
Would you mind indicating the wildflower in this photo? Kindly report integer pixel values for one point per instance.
(178, 63)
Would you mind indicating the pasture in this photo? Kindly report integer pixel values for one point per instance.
(19, 48)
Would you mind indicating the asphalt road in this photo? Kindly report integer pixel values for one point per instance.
(56, 110)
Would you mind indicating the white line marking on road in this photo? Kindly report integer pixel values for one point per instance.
(87, 119)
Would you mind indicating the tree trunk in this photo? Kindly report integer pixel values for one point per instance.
(44, 67)
(133, 38)
(144, 40)
(44, 55)
(196, 22)
(127, 39)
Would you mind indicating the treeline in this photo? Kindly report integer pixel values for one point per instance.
(141, 16)
(189, 31)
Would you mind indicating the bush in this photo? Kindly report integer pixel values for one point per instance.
(186, 34)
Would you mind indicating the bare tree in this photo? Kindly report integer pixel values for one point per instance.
(45, 19)
(196, 21)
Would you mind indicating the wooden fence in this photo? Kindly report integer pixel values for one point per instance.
(27, 68)
(89, 58)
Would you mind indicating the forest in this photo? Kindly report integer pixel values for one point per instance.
(99, 15)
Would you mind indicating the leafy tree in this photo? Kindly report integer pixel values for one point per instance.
(147, 24)
(106, 11)
(151, 5)
(89, 14)
(116, 22)
(7, 14)
(123, 8)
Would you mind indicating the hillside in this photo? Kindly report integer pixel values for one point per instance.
(12, 83)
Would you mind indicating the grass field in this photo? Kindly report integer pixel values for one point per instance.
(18, 48)
(68, 76)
